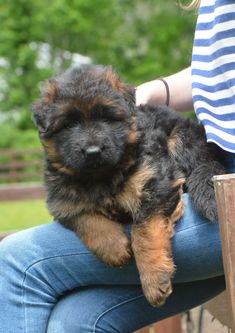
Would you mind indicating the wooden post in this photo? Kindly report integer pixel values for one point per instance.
(225, 197)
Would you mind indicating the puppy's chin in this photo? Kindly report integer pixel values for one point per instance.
(95, 168)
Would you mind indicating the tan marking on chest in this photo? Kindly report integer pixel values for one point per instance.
(129, 199)
(65, 209)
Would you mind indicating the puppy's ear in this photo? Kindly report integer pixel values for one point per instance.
(129, 94)
(44, 116)
(127, 90)
(45, 110)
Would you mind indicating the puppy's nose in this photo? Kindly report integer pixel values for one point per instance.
(93, 151)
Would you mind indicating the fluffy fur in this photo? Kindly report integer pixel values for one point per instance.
(108, 163)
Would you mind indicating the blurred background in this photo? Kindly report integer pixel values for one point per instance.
(141, 39)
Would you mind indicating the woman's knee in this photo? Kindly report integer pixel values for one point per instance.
(96, 310)
(21, 250)
(13, 248)
(14, 260)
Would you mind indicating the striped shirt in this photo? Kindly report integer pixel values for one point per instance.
(213, 71)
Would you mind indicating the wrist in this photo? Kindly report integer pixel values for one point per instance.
(167, 102)
(152, 92)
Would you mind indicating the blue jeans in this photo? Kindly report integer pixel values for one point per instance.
(51, 283)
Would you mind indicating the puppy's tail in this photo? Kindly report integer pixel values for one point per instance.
(201, 189)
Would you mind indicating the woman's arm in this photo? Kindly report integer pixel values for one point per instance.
(154, 92)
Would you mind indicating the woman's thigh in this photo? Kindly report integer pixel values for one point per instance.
(124, 309)
(196, 247)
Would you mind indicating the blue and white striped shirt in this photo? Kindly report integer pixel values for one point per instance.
(213, 71)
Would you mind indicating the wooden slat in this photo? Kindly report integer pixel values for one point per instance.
(4, 234)
(20, 164)
(169, 325)
(225, 196)
(22, 192)
(20, 152)
(20, 176)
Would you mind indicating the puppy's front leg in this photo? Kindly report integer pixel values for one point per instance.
(152, 250)
(106, 238)
(151, 243)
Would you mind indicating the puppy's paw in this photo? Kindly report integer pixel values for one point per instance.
(157, 288)
(210, 212)
(207, 209)
(107, 239)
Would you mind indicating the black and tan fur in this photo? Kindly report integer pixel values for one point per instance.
(108, 163)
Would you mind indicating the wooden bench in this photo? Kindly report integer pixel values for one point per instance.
(225, 196)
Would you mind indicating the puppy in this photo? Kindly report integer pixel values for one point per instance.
(109, 163)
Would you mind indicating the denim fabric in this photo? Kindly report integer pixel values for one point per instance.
(50, 282)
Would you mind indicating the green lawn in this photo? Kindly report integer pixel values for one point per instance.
(17, 215)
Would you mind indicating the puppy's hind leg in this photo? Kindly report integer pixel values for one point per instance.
(201, 189)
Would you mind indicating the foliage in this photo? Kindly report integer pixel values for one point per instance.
(142, 39)
(13, 137)
(157, 40)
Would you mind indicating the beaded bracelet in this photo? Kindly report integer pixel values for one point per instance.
(167, 91)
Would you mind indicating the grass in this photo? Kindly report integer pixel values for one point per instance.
(16, 215)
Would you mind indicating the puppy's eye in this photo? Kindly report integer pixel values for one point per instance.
(108, 114)
(115, 119)
(110, 119)
(75, 116)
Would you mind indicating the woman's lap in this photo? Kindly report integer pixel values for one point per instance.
(196, 244)
(45, 262)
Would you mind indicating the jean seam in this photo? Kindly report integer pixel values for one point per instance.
(114, 307)
(57, 256)
(191, 227)
(31, 265)
(23, 302)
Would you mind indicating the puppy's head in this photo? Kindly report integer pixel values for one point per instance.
(85, 119)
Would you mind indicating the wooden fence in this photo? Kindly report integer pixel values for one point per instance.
(20, 165)
(15, 192)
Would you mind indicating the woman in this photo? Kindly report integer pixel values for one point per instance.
(50, 282)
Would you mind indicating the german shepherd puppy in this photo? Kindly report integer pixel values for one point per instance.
(109, 163)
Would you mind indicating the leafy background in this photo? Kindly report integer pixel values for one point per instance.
(142, 39)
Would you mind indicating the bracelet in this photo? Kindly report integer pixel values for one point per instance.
(167, 91)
